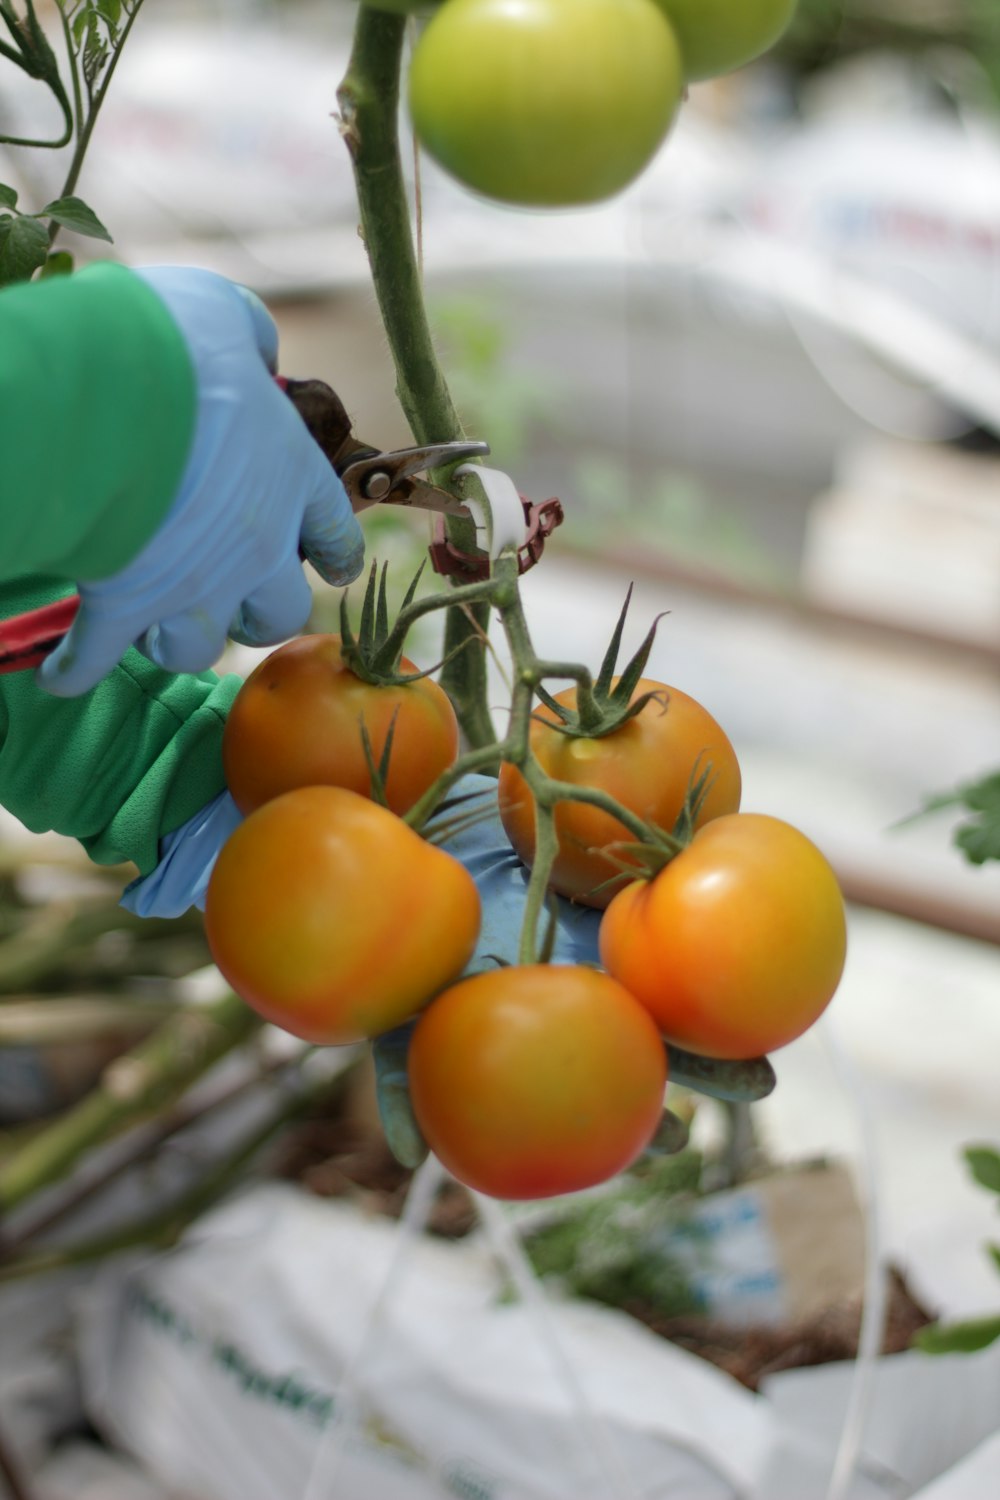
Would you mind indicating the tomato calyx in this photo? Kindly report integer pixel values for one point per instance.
(604, 704)
(375, 653)
(643, 859)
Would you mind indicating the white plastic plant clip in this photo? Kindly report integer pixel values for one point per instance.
(501, 522)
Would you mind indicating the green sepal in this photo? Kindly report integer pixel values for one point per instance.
(698, 789)
(378, 774)
(741, 1082)
(603, 706)
(374, 654)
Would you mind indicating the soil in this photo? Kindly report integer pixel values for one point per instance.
(340, 1155)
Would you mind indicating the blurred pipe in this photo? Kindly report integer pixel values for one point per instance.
(899, 900)
(799, 609)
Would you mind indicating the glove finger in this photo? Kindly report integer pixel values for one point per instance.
(331, 538)
(265, 331)
(191, 641)
(392, 1091)
(276, 610)
(90, 650)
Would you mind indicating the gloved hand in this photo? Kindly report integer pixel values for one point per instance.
(187, 856)
(256, 489)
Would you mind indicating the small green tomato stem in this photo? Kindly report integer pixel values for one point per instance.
(482, 758)
(572, 670)
(548, 792)
(469, 593)
(546, 848)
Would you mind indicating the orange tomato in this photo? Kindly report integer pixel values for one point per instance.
(297, 722)
(737, 946)
(333, 919)
(648, 765)
(529, 1081)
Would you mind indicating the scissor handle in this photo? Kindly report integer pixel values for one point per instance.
(27, 639)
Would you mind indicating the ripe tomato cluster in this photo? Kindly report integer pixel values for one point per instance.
(336, 921)
(550, 103)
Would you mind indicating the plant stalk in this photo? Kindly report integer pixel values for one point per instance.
(369, 111)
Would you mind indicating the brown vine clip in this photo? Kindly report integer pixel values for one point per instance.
(540, 521)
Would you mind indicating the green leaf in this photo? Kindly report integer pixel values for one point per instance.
(24, 246)
(59, 263)
(111, 10)
(993, 1251)
(958, 1338)
(73, 213)
(8, 196)
(737, 1082)
(979, 840)
(984, 1164)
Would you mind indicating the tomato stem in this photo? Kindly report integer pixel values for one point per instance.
(369, 109)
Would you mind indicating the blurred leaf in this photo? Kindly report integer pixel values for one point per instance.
(73, 213)
(958, 1338)
(984, 1164)
(8, 196)
(24, 246)
(979, 837)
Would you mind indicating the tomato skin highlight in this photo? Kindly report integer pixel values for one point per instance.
(545, 103)
(647, 765)
(333, 919)
(718, 36)
(737, 946)
(297, 720)
(535, 1080)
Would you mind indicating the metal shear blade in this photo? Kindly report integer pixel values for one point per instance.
(371, 477)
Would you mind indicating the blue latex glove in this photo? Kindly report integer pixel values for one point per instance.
(256, 488)
(187, 856)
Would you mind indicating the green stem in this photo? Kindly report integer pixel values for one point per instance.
(147, 1079)
(369, 108)
(483, 758)
(546, 849)
(55, 935)
(164, 1228)
(86, 130)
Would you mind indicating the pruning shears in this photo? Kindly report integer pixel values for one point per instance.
(371, 476)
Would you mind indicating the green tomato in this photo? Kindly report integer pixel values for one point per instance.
(545, 103)
(717, 36)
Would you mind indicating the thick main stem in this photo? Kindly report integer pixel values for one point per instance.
(369, 107)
